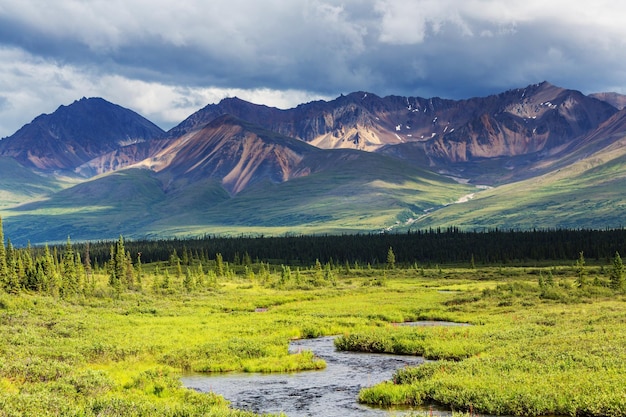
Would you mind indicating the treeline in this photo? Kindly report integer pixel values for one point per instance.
(60, 272)
(435, 246)
(68, 271)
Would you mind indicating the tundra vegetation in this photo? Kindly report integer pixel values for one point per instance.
(110, 335)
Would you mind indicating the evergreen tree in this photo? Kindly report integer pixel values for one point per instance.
(179, 271)
(617, 273)
(50, 273)
(89, 277)
(139, 270)
(580, 270)
(120, 268)
(329, 275)
(129, 272)
(80, 273)
(12, 284)
(212, 278)
(263, 273)
(40, 279)
(69, 284)
(346, 268)
(30, 270)
(249, 273)
(391, 259)
(185, 259)
(3, 258)
(174, 258)
(20, 270)
(285, 275)
(166, 280)
(114, 274)
(119, 264)
(156, 285)
(200, 274)
(188, 281)
(219, 265)
(246, 259)
(318, 270)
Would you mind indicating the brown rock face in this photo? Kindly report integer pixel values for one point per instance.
(233, 151)
(524, 121)
(516, 122)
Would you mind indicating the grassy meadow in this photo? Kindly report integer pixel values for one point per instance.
(539, 342)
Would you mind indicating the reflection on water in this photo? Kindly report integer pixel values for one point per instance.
(330, 392)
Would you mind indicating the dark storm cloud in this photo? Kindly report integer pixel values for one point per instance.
(138, 51)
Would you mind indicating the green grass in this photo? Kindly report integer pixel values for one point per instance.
(529, 350)
(533, 353)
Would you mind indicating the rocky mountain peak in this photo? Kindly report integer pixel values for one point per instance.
(77, 133)
(235, 152)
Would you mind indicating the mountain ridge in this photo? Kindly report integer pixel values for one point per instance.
(515, 122)
(359, 162)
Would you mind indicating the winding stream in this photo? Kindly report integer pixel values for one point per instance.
(330, 392)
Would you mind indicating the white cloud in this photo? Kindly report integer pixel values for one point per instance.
(412, 21)
(30, 86)
(165, 59)
(169, 105)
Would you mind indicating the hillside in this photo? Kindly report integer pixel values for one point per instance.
(358, 192)
(584, 187)
(19, 184)
(236, 152)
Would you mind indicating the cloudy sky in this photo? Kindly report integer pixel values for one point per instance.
(166, 59)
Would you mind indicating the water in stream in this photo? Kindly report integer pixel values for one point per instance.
(330, 392)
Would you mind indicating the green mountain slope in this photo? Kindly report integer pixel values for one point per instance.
(19, 184)
(588, 193)
(101, 208)
(362, 192)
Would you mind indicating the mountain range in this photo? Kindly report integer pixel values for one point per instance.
(535, 157)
